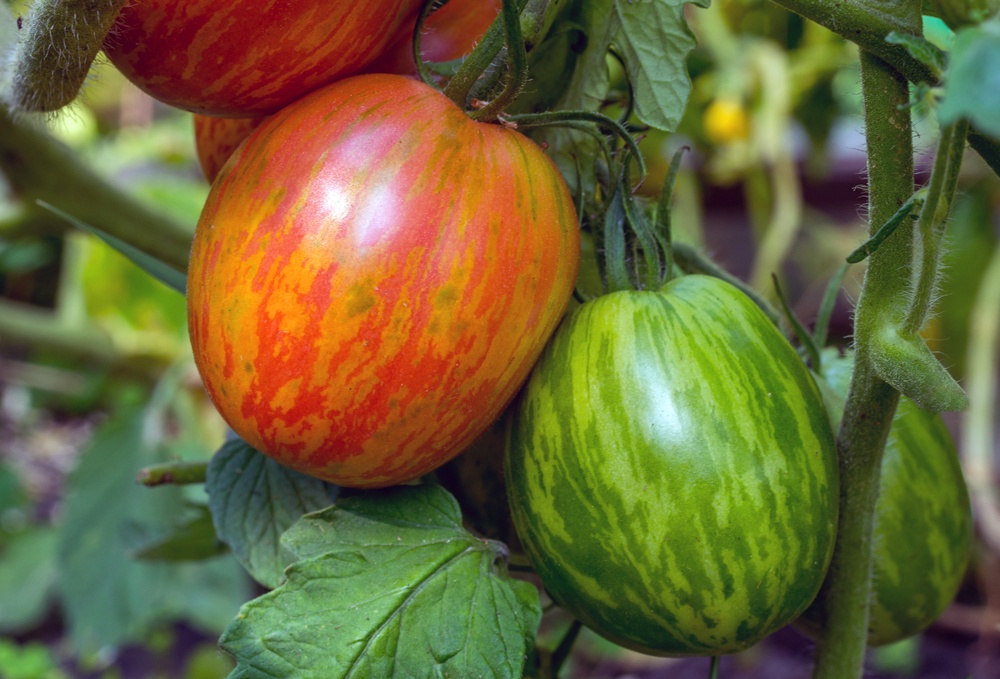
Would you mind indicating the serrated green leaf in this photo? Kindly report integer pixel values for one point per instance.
(253, 500)
(389, 585)
(655, 40)
(161, 271)
(193, 540)
(973, 79)
(24, 599)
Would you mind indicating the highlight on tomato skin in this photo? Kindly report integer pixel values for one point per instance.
(247, 58)
(372, 278)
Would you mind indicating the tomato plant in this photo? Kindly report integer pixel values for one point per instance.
(248, 58)
(671, 471)
(923, 522)
(362, 303)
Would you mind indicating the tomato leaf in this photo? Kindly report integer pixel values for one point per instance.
(973, 79)
(26, 599)
(193, 540)
(253, 500)
(111, 598)
(655, 41)
(389, 584)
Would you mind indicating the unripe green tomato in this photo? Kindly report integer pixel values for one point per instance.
(671, 471)
(958, 13)
(922, 535)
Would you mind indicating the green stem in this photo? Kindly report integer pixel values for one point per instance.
(40, 168)
(562, 651)
(477, 63)
(870, 401)
(418, 31)
(175, 473)
(553, 118)
(941, 190)
(517, 65)
(713, 668)
(61, 39)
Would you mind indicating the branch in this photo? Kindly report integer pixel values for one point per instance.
(40, 168)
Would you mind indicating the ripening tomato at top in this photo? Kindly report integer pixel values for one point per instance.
(372, 278)
(248, 57)
(449, 33)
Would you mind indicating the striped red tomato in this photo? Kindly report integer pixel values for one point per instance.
(248, 57)
(451, 33)
(671, 471)
(372, 278)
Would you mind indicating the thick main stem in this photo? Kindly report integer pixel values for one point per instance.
(870, 402)
(40, 168)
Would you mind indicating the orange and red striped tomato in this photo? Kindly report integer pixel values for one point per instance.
(372, 278)
(450, 33)
(248, 57)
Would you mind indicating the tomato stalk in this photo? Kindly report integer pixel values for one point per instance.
(460, 86)
(61, 40)
(39, 168)
(173, 473)
(871, 402)
(517, 65)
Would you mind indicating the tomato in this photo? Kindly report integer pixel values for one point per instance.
(922, 535)
(671, 471)
(248, 57)
(451, 33)
(215, 140)
(372, 278)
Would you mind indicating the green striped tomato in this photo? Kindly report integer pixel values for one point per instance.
(922, 536)
(372, 278)
(671, 471)
(248, 57)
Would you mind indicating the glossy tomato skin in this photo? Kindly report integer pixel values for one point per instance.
(671, 471)
(372, 278)
(450, 33)
(922, 531)
(248, 57)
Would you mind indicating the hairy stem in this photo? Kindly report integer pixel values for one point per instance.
(40, 168)
(870, 401)
(61, 40)
(940, 192)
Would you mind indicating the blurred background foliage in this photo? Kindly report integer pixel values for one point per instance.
(97, 381)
